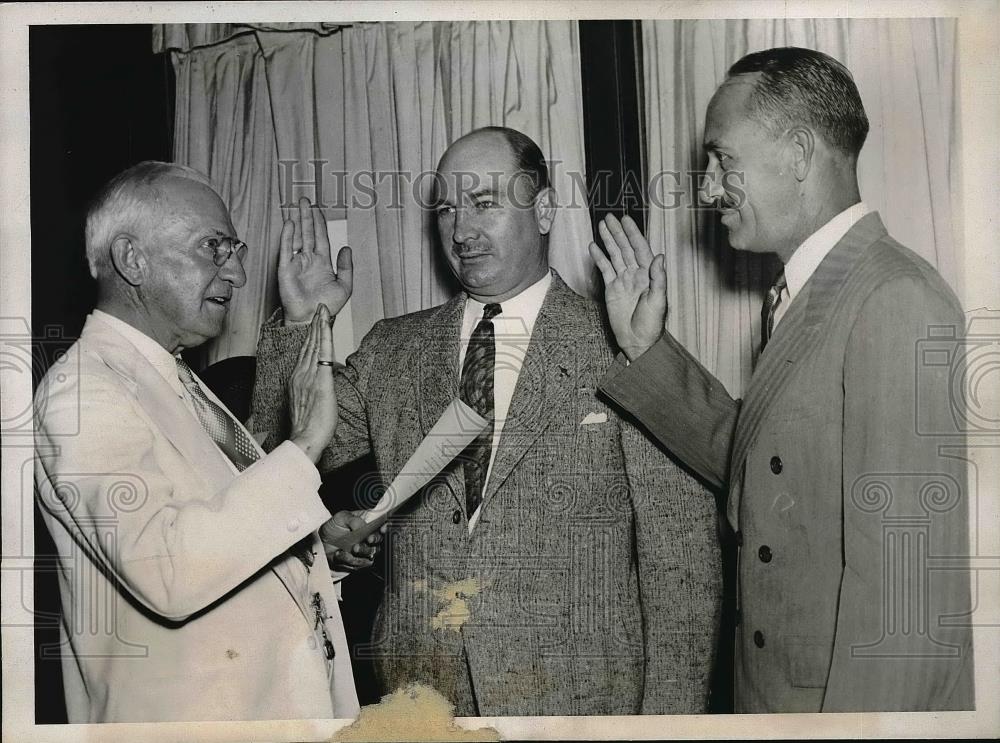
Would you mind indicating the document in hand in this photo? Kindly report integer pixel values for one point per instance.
(455, 429)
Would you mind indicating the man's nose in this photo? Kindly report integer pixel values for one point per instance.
(713, 189)
(233, 272)
(465, 225)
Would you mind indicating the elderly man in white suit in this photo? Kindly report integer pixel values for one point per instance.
(193, 581)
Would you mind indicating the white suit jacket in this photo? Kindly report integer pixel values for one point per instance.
(180, 600)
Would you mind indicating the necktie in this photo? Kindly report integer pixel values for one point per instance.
(232, 439)
(476, 391)
(771, 302)
(217, 422)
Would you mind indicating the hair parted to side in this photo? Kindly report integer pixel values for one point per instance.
(123, 202)
(803, 86)
(527, 157)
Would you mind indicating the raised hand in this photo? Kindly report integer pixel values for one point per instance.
(635, 285)
(312, 402)
(306, 276)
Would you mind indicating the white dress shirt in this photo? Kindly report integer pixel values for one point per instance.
(512, 330)
(806, 259)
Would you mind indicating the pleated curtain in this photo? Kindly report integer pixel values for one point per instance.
(356, 118)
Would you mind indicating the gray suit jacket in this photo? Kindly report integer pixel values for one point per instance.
(847, 485)
(590, 584)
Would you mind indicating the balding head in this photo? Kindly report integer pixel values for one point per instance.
(127, 203)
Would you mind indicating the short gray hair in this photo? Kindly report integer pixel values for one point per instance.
(122, 204)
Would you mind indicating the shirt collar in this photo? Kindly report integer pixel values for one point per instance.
(522, 308)
(158, 357)
(813, 250)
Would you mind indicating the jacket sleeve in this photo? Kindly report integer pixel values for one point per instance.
(114, 487)
(680, 577)
(684, 407)
(903, 640)
(277, 353)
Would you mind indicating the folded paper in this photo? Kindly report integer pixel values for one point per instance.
(455, 429)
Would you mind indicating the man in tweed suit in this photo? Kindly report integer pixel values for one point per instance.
(843, 462)
(555, 576)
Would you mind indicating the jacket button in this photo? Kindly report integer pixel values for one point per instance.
(456, 517)
(776, 465)
(764, 553)
(758, 639)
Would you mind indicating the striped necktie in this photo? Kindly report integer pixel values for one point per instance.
(771, 302)
(218, 422)
(476, 391)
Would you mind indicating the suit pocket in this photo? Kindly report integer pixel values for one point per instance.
(808, 662)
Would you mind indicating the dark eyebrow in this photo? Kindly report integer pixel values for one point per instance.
(482, 192)
(711, 144)
(478, 193)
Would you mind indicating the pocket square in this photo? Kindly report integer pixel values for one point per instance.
(592, 418)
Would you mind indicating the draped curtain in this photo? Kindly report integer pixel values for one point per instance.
(249, 105)
(905, 70)
(355, 118)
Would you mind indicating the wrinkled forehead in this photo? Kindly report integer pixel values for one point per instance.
(728, 109)
(460, 186)
(186, 203)
(475, 166)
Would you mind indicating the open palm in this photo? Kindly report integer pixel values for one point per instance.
(306, 274)
(635, 285)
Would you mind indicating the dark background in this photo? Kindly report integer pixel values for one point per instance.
(91, 121)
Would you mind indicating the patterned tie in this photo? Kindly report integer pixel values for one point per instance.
(476, 391)
(771, 303)
(217, 422)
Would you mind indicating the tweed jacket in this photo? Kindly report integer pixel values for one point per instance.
(850, 507)
(180, 600)
(589, 585)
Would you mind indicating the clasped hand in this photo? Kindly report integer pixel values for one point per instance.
(361, 554)
(635, 285)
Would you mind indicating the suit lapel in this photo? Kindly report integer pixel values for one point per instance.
(180, 427)
(796, 337)
(545, 383)
(436, 364)
(159, 400)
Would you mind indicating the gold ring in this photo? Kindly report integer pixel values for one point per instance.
(324, 363)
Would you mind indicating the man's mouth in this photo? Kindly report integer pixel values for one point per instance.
(468, 255)
(221, 300)
(726, 209)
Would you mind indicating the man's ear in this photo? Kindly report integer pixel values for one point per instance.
(545, 209)
(802, 146)
(129, 261)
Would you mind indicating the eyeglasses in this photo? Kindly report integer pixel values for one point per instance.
(222, 249)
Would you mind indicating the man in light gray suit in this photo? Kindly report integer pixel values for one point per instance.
(561, 565)
(843, 461)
